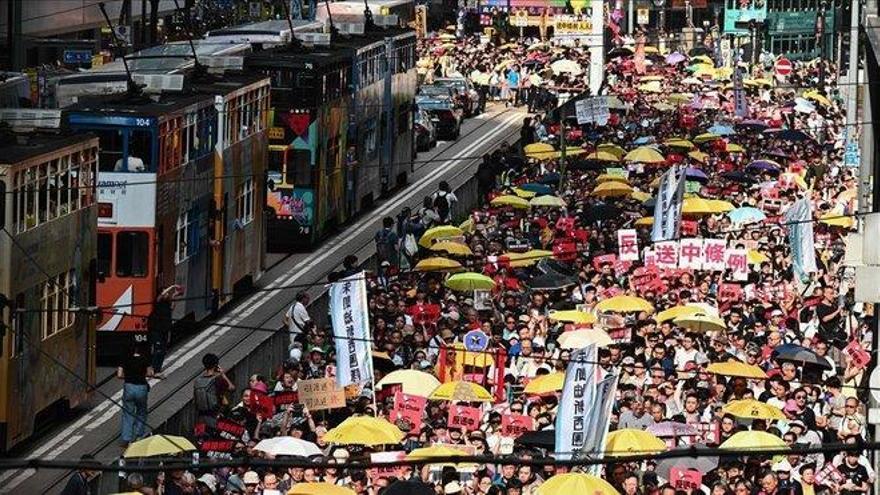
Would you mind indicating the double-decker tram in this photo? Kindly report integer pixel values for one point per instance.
(180, 190)
(341, 132)
(48, 218)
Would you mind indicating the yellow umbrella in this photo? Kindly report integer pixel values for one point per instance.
(630, 441)
(461, 391)
(467, 225)
(438, 232)
(679, 143)
(448, 46)
(679, 98)
(437, 264)
(702, 59)
(756, 257)
(569, 151)
(752, 440)
(706, 137)
(603, 156)
(675, 312)
(573, 316)
(817, 97)
(624, 304)
(529, 258)
(447, 36)
(723, 73)
(641, 196)
(651, 87)
(548, 202)
(609, 177)
(522, 193)
(538, 149)
(700, 322)
(612, 189)
(364, 430)
(695, 206)
(546, 384)
(838, 220)
(737, 368)
(720, 206)
(663, 107)
(319, 488)
(434, 451)
(753, 409)
(652, 50)
(578, 339)
(644, 154)
(469, 281)
(412, 382)
(735, 148)
(651, 78)
(510, 200)
(453, 248)
(698, 156)
(796, 178)
(576, 483)
(476, 359)
(612, 148)
(645, 222)
(158, 445)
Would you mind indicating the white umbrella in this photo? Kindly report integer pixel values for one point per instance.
(288, 446)
(566, 66)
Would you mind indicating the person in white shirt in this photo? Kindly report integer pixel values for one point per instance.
(297, 316)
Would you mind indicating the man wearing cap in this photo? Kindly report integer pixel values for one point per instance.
(251, 482)
(315, 367)
(452, 488)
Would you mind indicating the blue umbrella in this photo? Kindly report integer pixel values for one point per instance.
(644, 140)
(800, 355)
(793, 135)
(721, 129)
(764, 166)
(675, 58)
(753, 125)
(537, 188)
(746, 214)
(550, 178)
(696, 174)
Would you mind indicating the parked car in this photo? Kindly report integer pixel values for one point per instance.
(444, 112)
(426, 132)
(464, 91)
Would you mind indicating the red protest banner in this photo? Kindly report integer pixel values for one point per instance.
(463, 417)
(730, 292)
(604, 259)
(685, 479)
(284, 398)
(229, 429)
(857, 354)
(388, 472)
(514, 425)
(409, 408)
(216, 445)
(261, 404)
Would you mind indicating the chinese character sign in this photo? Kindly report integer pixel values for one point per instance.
(578, 395)
(690, 254)
(713, 254)
(351, 330)
(628, 245)
(738, 263)
(666, 254)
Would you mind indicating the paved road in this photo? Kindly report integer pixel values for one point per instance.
(96, 430)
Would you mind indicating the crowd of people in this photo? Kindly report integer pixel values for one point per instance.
(803, 331)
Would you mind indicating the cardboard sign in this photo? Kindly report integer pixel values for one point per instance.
(627, 245)
(514, 425)
(685, 479)
(390, 472)
(284, 398)
(736, 260)
(321, 394)
(409, 408)
(690, 254)
(463, 417)
(713, 254)
(667, 254)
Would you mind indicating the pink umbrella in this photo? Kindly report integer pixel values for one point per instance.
(672, 429)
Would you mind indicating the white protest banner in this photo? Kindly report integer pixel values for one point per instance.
(592, 110)
(351, 330)
(736, 260)
(713, 254)
(690, 254)
(799, 219)
(650, 258)
(578, 394)
(667, 210)
(600, 417)
(667, 254)
(627, 245)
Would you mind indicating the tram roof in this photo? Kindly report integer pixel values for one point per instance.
(137, 106)
(34, 144)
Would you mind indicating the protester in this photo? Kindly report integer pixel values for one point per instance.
(134, 372)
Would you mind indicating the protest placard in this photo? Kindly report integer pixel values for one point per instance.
(464, 417)
(389, 472)
(514, 425)
(321, 394)
(627, 245)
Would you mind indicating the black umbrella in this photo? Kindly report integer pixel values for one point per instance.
(740, 177)
(601, 211)
(650, 203)
(699, 50)
(549, 178)
(800, 355)
(703, 464)
(541, 439)
(550, 281)
(409, 488)
(620, 51)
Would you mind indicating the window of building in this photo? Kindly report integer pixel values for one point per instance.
(105, 254)
(56, 304)
(245, 202)
(180, 254)
(132, 254)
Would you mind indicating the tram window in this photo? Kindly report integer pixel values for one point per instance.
(3, 199)
(132, 250)
(299, 164)
(111, 148)
(105, 254)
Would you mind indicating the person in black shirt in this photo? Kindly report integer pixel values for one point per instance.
(78, 483)
(135, 371)
(159, 327)
(829, 314)
(855, 476)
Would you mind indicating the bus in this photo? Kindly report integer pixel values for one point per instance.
(180, 188)
(15, 90)
(47, 270)
(341, 132)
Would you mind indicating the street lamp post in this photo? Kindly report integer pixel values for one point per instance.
(661, 21)
(820, 41)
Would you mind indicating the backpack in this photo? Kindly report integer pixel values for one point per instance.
(205, 394)
(442, 205)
